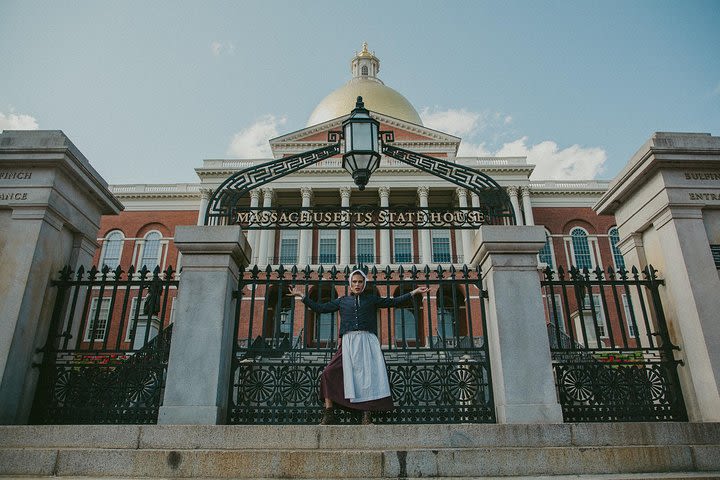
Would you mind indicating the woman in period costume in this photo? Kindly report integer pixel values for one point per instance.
(356, 376)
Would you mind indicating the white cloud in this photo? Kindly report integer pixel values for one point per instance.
(469, 149)
(717, 90)
(481, 130)
(252, 142)
(571, 163)
(13, 121)
(218, 48)
(455, 122)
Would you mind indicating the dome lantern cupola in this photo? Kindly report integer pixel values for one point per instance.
(365, 64)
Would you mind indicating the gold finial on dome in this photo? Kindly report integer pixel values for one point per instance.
(365, 52)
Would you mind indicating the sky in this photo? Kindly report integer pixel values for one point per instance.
(149, 89)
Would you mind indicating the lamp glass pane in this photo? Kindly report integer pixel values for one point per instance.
(361, 136)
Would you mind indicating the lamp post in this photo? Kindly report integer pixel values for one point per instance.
(362, 146)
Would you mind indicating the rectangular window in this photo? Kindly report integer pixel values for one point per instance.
(555, 311)
(441, 252)
(143, 324)
(326, 327)
(93, 330)
(288, 247)
(715, 249)
(365, 246)
(546, 256)
(402, 246)
(587, 316)
(327, 247)
(631, 328)
(405, 325)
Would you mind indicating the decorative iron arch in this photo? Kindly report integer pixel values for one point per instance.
(223, 201)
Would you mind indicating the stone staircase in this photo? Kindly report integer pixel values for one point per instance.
(578, 451)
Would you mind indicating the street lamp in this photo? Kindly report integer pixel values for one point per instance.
(362, 146)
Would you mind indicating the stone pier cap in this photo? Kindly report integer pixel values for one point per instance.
(213, 240)
(663, 150)
(507, 239)
(53, 149)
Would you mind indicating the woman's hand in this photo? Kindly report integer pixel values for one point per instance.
(420, 290)
(295, 292)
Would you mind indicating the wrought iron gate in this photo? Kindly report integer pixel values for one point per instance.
(107, 349)
(434, 347)
(611, 350)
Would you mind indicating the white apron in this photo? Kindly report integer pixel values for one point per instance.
(364, 373)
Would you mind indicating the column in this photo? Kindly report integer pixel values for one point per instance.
(345, 232)
(527, 207)
(513, 192)
(682, 255)
(467, 235)
(384, 233)
(267, 237)
(305, 248)
(253, 236)
(198, 376)
(204, 199)
(520, 362)
(425, 242)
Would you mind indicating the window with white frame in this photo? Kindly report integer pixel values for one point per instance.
(582, 257)
(289, 246)
(405, 325)
(402, 246)
(441, 252)
(614, 236)
(365, 246)
(150, 251)
(546, 254)
(588, 316)
(631, 326)
(555, 311)
(112, 249)
(326, 331)
(327, 247)
(96, 325)
(142, 322)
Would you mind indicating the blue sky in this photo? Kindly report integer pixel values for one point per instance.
(147, 90)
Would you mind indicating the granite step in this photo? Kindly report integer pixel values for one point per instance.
(394, 451)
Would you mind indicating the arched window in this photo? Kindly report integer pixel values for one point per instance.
(150, 256)
(546, 254)
(112, 249)
(364, 70)
(581, 249)
(614, 236)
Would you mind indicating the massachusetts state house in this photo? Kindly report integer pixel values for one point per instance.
(142, 235)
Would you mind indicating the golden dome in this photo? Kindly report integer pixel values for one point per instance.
(377, 97)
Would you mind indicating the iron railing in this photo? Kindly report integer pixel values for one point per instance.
(611, 349)
(434, 346)
(106, 354)
(327, 261)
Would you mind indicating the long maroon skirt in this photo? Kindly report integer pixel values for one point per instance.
(332, 387)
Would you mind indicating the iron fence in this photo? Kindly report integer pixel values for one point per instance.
(611, 349)
(434, 347)
(106, 354)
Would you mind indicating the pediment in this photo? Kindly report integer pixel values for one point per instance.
(407, 134)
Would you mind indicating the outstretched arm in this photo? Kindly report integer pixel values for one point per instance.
(395, 301)
(327, 307)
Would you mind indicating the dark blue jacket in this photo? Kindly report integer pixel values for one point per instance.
(354, 316)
